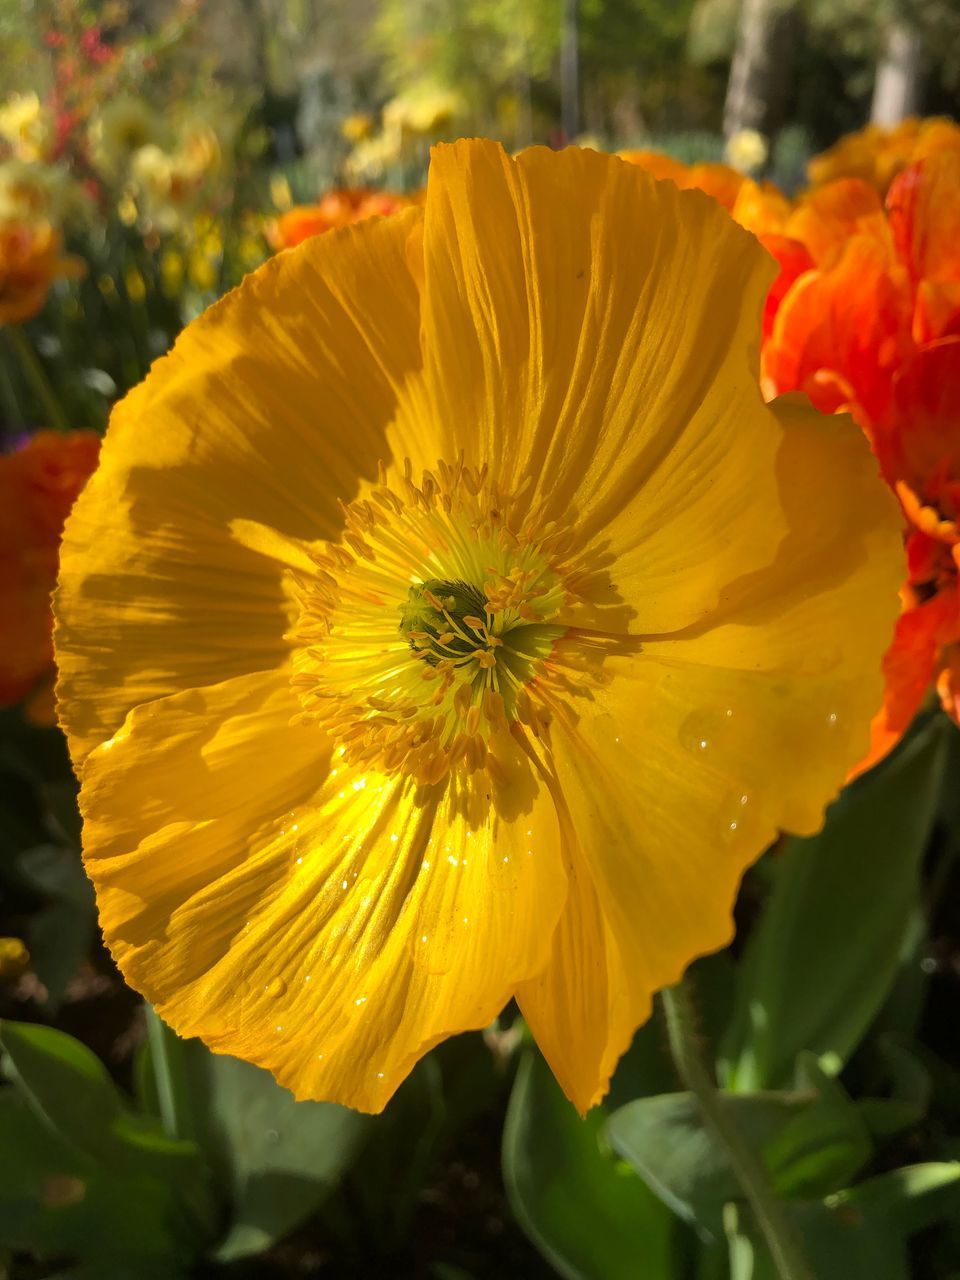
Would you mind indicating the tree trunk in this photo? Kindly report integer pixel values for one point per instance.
(760, 76)
(896, 90)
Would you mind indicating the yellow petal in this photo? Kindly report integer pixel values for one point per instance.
(331, 928)
(583, 1009)
(272, 405)
(597, 331)
(681, 768)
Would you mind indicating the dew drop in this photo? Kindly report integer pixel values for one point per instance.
(275, 987)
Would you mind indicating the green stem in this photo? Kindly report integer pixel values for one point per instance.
(165, 1057)
(36, 377)
(782, 1240)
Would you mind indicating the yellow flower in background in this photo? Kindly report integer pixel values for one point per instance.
(14, 959)
(27, 127)
(199, 151)
(165, 185)
(40, 193)
(423, 110)
(168, 185)
(370, 159)
(120, 129)
(451, 620)
(356, 127)
(280, 192)
(747, 150)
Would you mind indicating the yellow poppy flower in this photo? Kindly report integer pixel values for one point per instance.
(27, 126)
(450, 619)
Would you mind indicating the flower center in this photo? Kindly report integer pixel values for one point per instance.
(430, 627)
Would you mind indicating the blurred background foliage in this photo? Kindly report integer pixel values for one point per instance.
(176, 137)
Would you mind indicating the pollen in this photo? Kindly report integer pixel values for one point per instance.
(431, 627)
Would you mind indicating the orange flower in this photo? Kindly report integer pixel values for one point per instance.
(877, 155)
(717, 180)
(918, 445)
(794, 259)
(338, 208)
(924, 210)
(762, 208)
(888, 281)
(38, 485)
(656, 163)
(30, 260)
(842, 331)
(875, 328)
(825, 219)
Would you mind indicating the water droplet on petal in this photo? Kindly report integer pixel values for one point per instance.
(275, 987)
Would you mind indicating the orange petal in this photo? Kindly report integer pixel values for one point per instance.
(825, 219)
(850, 320)
(924, 210)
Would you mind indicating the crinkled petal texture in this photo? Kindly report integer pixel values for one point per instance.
(589, 335)
(232, 453)
(705, 743)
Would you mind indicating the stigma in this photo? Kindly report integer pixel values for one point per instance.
(432, 625)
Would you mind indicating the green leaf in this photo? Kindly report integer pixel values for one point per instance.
(70, 1093)
(823, 1147)
(835, 1247)
(66, 1085)
(905, 1200)
(825, 952)
(58, 1202)
(590, 1216)
(69, 1088)
(812, 1142)
(280, 1159)
(858, 1234)
(911, 1088)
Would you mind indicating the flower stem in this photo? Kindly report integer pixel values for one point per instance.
(782, 1240)
(35, 375)
(166, 1059)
